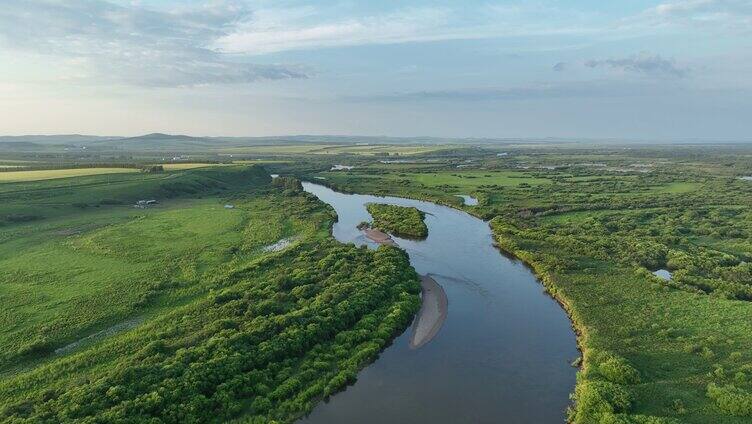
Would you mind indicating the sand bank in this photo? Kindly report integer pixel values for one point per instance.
(378, 236)
(432, 314)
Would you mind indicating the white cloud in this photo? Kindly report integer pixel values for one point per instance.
(103, 41)
(275, 30)
(285, 32)
(735, 15)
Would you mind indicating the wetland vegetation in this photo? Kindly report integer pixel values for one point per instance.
(593, 223)
(231, 329)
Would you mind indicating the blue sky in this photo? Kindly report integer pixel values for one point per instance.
(622, 69)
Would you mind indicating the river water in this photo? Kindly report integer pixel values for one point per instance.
(503, 354)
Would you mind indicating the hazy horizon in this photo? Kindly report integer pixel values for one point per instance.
(352, 138)
(641, 70)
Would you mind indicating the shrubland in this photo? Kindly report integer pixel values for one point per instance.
(178, 312)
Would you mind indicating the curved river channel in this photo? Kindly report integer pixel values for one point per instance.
(503, 352)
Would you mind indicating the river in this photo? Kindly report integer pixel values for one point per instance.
(502, 355)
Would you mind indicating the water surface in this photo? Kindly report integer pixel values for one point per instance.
(469, 200)
(502, 355)
(662, 274)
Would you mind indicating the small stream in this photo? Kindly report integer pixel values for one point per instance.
(503, 354)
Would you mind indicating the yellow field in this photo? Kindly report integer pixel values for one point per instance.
(181, 166)
(252, 161)
(281, 149)
(49, 174)
(354, 149)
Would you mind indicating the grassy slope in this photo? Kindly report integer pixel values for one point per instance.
(590, 235)
(83, 266)
(223, 327)
(406, 222)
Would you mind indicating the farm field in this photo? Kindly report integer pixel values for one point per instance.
(322, 149)
(49, 174)
(182, 166)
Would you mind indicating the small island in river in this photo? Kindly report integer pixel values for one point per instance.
(405, 222)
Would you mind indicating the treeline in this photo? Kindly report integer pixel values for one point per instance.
(406, 222)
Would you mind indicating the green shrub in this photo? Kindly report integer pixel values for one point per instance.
(730, 399)
(399, 220)
(618, 370)
(595, 398)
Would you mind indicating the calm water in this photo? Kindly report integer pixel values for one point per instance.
(662, 273)
(469, 200)
(502, 355)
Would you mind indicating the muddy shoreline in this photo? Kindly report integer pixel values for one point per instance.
(379, 236)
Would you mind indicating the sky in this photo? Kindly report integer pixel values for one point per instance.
(636, 69)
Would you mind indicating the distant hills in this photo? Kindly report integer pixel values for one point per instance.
(159, 142)
(170, 142)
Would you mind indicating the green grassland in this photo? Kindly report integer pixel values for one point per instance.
(653, 350)
(405, 222)
(181, 312)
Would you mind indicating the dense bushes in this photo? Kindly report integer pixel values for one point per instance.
(401, 221)
(731, 399)
(596, 398)
(291, 184)
(268, 342)
(616, 369)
